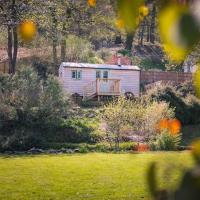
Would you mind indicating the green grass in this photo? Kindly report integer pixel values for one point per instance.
(94, 176)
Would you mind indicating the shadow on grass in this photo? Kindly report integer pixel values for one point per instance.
(135, 153)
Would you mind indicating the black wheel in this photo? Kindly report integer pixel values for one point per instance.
(129, 95)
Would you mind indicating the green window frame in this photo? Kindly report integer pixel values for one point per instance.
(76, 74)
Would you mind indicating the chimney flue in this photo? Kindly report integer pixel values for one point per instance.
(119, 60)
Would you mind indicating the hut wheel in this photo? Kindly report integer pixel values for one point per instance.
(129, 95)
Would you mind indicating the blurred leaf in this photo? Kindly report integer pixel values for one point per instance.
(190, 186)
(27, 30)
(196, 82)
(196, 151)
(92, 3)
(163, 124)
(128, 11)
(179, 31)
(174, 126)
(189, 29)
(151, 180)
(119, 23)
(143, 10)
(168, 26)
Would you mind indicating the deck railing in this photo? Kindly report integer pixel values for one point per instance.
(108, 86)
(102, 86)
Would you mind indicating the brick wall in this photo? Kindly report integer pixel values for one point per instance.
(177, 77)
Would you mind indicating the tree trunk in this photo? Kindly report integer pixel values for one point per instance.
(118, 39)
(152, 26)
(63, 43)
(10, 47)
(148, 32)
(54, 51)
(54, 36)
(117, 141)
(12, 41)
(63, 50)
(141, 33)
(15, 48)
(129, 41)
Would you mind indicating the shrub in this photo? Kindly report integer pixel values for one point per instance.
(125, 52)
(114, 115)
(41, 67)
(91, 104)
(104, 54)
(165, 141)
(78, 131)
(148, 63)
(85, 147)
(186, 105)
(54, 104)
(123, 117)
(29, 103)
(59, 145)
(21, 139)
(127, 146)
(95, 60)
(78, 49)
(141, 147)
(154, 113)
(34, 98)
(193, 106)
(4, 82)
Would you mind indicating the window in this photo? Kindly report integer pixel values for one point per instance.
(79, 75)
(98, 74)
(101, 74)
(105, 74)
(76, 74)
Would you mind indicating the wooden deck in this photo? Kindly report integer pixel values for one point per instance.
(102, 87)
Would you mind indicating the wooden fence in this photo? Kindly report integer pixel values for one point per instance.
(176, 77)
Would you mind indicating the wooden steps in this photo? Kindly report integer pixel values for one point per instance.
(102, 87)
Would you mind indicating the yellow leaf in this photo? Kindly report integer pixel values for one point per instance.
(92, 3)
(175, 53)
(119, 23)
(144, 10)
(128, 11)
(196, 82)
(27, 30)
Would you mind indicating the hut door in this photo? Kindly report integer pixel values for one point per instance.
(102, 75)
(104, 86)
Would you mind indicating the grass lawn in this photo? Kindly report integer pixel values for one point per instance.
(94, 176)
